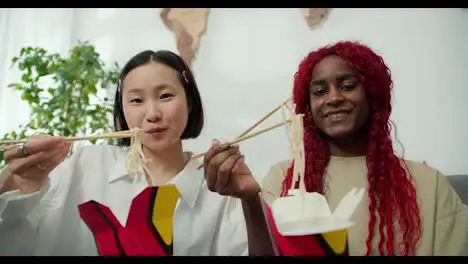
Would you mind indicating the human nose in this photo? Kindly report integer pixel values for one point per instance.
(153, 113)
(335, 97)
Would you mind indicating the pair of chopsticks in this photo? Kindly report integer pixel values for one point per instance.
(244, 135)
(128, 133)
(120, 134)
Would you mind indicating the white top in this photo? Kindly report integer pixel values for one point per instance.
(47, 222)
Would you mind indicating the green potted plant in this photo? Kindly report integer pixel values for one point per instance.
(67, 95)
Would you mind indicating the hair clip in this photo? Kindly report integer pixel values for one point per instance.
(119, 84)
(185, 76)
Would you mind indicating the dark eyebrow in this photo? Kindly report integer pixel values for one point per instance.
(317, 82)
(157, 87)
(340, 78)
(345, 77)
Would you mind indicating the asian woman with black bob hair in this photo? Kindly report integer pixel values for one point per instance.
(53, 205)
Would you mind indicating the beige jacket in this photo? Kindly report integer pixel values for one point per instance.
(444, 216)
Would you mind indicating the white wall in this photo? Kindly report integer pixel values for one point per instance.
(248, 57)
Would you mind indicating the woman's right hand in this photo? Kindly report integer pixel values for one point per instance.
(29, 165)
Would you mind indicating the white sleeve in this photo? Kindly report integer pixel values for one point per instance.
(14, 205)
(21, 214)
(231, 236)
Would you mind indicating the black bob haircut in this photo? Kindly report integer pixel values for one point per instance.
(195, 108)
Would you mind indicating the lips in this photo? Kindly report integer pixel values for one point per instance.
(337, 116)
(155, 130)
(336, 113)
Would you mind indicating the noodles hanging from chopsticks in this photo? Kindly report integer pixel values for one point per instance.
(297, 138)
(296, 142)
(136, 158)
(287, 111)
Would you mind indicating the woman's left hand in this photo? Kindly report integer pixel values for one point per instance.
(227, 174)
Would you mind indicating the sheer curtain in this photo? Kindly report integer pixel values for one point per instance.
(50, 28)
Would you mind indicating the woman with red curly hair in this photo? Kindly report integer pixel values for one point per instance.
(344, 92)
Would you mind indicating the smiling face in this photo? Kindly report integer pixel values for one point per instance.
(338, 100)
(154, 100)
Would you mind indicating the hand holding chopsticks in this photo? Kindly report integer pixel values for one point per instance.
(32, 163)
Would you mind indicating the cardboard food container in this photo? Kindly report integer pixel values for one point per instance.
(302, 224)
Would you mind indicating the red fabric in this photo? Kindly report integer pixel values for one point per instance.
(309, 245)
(138, 238)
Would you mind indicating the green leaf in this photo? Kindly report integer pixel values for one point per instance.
(26, 77)
(65, 109)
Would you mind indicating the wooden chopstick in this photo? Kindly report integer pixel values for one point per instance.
(120, 134)
(264, 118)
(256, 124)
(237, 140)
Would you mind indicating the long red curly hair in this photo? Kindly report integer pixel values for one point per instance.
(391, 193)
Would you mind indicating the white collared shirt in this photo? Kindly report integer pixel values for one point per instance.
(48, 223)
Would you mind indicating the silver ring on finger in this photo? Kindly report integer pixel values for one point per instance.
(40, 166)
(23, 149)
